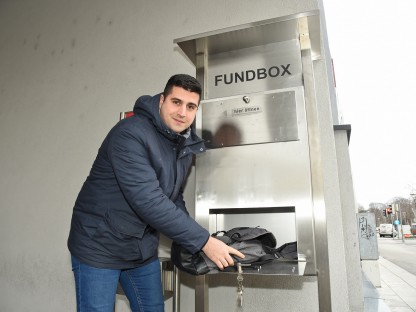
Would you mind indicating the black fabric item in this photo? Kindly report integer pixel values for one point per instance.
(185, 261)
(241, 234)
(257, 244)
(288, 251)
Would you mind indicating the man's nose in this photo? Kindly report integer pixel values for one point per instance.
(182, 111)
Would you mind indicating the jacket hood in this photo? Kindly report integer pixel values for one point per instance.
(148, 106)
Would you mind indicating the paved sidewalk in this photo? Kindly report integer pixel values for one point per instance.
(397, 292)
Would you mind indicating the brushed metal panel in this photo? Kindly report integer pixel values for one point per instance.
(252, 34)
(255, 118)
(318, 196)
(255, 69)
(261, 175)
(264, 175)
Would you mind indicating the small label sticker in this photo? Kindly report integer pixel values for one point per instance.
(246, 110)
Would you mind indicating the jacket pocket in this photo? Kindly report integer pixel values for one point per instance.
(119, 237)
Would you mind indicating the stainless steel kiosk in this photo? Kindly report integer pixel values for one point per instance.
(259, 120)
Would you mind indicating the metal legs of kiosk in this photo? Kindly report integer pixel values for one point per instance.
(259, 120)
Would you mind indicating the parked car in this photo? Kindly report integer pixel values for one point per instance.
(387, 229)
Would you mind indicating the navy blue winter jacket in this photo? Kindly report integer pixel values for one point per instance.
(134, 191)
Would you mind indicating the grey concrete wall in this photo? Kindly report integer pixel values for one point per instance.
(351, 244)
(67, 68)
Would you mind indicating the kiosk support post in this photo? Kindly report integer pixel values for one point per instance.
(322, 264)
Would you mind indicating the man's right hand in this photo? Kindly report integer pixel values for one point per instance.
(220, 253)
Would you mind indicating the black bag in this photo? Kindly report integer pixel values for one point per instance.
(288, 251)
(257, 244)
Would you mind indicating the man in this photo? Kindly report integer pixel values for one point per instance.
(134, 192)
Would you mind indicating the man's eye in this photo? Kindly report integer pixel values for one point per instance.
(191, 107)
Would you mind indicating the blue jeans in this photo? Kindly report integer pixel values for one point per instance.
(96, 288)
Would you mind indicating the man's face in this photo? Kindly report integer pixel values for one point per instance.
(178, 109)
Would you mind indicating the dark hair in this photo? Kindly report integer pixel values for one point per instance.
(184, 81)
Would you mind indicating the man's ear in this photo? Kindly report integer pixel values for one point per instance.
(162, 99)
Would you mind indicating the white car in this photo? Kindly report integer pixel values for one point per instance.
(387, 229)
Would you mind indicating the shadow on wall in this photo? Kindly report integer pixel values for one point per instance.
(226, 135)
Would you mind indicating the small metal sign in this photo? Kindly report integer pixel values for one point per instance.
(257, 118)
(246, 110)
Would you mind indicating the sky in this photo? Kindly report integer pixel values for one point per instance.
(373, 47)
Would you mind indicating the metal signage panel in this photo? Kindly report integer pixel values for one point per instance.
(256, 69)
(250, 119)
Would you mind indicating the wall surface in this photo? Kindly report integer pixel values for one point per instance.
(67, 68)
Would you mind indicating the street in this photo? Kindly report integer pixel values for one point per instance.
(400, 253)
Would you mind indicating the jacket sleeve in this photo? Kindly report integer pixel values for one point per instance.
(180, 202)
(140, 186)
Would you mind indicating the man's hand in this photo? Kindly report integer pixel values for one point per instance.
(219, 253)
